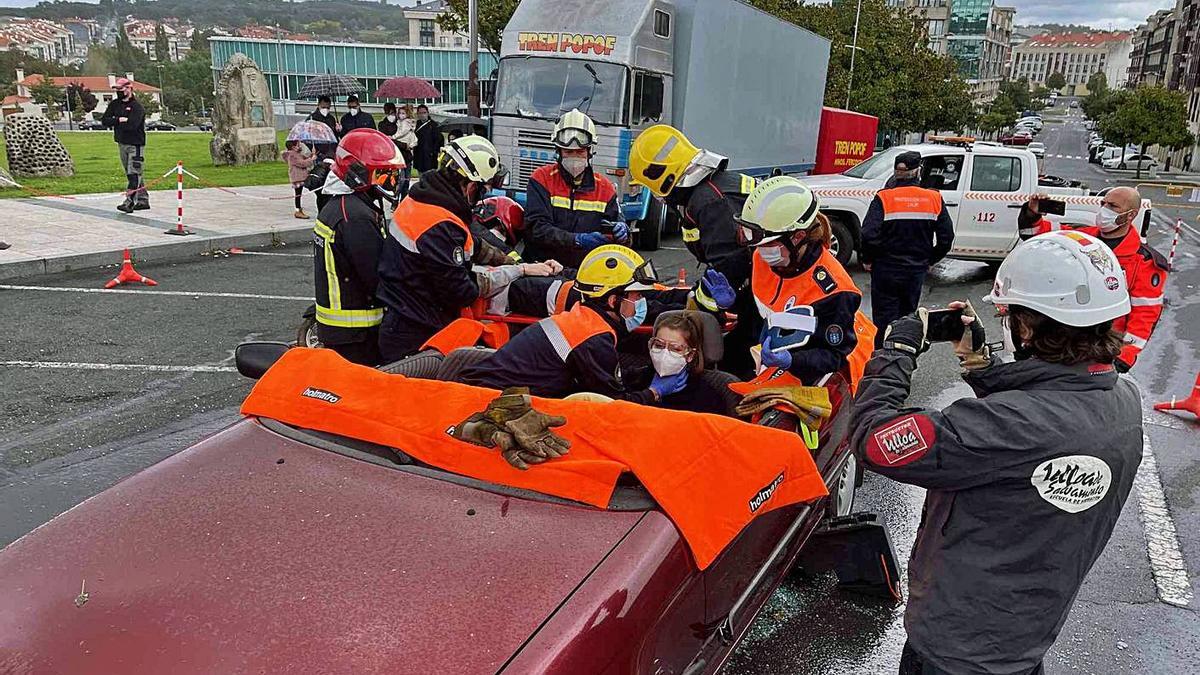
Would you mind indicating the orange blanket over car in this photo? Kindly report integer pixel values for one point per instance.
(710, 474)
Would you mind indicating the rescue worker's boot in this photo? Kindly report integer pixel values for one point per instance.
(127, 205)
(141, 202)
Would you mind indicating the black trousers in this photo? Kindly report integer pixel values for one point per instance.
(399, 338)
(894, 293)
(912, 663)
(359, 346)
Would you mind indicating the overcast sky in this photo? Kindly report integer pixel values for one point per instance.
(1102, 14)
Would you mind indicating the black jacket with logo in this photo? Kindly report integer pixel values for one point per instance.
(1024, 485)
(709, 231)
(348, 237)
(133, 130)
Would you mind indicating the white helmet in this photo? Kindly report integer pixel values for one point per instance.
(475, 157)
(1069, 276)
(574, 130)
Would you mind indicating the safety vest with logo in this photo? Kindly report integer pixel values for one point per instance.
(412, 218)
(719, 475)
(775, 294)
(347, 238)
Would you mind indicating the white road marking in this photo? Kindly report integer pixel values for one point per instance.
(1162, 542)
(195, 294)
(674, 248)
(279, 255)
(145, 367)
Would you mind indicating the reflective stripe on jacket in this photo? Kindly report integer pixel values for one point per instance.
(906, 227)
(346, 244)
(557, 208)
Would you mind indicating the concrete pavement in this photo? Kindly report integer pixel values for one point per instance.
(56, 234)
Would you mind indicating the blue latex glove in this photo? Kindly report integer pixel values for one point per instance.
(671, 384)
(772, 359)
(620, 233)
(717, 287)
(589, 240)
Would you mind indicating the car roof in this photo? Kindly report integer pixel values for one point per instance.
(939, 148)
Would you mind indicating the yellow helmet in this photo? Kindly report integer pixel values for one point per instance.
(614, 267)
(776, 207)
(659, 156)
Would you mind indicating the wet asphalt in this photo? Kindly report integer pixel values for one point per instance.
(67, 433)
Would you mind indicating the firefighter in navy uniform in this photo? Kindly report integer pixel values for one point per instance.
(569, 209)
(425, 277)
(349, 234)
(907, 229)
(576, 351)
(707, 197)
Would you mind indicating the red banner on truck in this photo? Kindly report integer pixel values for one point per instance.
(846, 138)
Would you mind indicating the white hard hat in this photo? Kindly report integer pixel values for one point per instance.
(1069, 276)
(474, 156)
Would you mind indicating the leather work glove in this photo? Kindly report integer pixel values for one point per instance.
(535, 440)
(478, 430)
(718, 288)
(972, 349)
(810, 404)
(772, 359)
(671, 384)
(907, 334)
(620, 233)
(589, 240)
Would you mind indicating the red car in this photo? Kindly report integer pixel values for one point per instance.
(268, 548)
(1016, 139)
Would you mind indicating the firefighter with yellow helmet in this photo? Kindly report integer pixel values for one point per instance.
(576, 351)
(707, 196)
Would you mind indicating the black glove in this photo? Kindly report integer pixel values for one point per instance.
(907, 334)
(1121, 366)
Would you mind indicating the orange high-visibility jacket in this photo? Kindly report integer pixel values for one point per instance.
(711, 477)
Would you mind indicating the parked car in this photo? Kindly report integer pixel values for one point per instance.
(159, 125)
(204, 125)
(269, 548)
(90, 125)
(1038, 150)
(1138, 162)
(1074, 104)
(1016, 139)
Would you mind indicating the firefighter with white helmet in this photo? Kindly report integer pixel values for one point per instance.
(425, 276)
(1025, 481)
(569, 208)
(809, 304)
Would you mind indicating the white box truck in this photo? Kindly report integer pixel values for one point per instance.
(736, 80)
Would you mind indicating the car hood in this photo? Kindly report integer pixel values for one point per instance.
(251, 552)
(837, 180)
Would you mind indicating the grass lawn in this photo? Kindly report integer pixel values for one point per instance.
(97, 167)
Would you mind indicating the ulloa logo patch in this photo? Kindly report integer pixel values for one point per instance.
(901, 442)
(1073, 484)
(321, 395)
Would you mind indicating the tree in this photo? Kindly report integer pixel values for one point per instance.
(128, 59)
(1017, 92)
(187, 84)
(200, 41)
(80, 98)
(150, 105)
(493, 17)
(48, 94)
(1149, 116)
(162, 48)
(1097, 83)
(1056, 81)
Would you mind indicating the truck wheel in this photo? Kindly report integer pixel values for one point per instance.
(650, 228)
(842, 244)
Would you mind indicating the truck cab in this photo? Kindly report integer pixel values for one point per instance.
(982, 186)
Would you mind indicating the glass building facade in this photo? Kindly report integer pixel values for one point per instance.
(287, 64)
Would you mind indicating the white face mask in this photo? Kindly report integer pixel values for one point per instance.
(666, 362)
(1106, 219)
(354, 111)
(391, 118)
(575, 165)
(324, 111)
(774, 256)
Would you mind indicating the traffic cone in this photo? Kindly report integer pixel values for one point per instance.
(128, 275)
(1190, 404)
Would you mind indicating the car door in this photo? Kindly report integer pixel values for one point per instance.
(943, 172)
(987, 225)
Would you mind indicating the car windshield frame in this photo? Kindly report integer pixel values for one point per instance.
(877, 166)
(522, 89)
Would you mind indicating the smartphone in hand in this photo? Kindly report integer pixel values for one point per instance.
(1052, 207)
(945, 325)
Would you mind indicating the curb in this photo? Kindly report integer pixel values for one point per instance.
(190, 246)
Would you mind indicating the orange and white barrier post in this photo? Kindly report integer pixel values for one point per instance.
(179, 229)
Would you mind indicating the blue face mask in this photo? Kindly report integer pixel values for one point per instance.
(639, 314)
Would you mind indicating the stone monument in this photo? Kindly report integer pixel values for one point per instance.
(243, 119)
(34, 149)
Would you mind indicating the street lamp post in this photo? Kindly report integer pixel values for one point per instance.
(67, 91)
(473, 107)
(162, 91)
(853, 52)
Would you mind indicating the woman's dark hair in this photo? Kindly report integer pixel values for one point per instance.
(389, 106)
(693, 334)
(324, 99)
(291, 145)
(820, 233)
(1055, 342)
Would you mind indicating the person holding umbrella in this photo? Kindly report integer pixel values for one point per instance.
(322, 115)
(309, 169)
(354, 117)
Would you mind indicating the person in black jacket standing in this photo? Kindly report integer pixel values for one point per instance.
(906, 230)
(126, 117)
(429, 140)
(355, 118)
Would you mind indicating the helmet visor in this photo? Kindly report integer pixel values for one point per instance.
(571, 137)
(749, 234)
(645, 277)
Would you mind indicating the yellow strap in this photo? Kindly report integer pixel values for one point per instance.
(349, 318)
(691, 234)
(579, 205)
(748, 184)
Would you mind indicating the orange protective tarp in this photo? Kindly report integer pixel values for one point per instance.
(711, 474)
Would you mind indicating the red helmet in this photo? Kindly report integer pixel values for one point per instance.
(365, 158)
(503, 214)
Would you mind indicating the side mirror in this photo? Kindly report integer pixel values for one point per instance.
(254, 359)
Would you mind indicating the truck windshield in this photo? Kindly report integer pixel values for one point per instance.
(548, 87)
(875, 166)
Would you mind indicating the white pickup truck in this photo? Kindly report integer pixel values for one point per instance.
(983, 187)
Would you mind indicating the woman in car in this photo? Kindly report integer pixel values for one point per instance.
(676, 352)
(810, 304)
